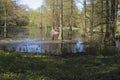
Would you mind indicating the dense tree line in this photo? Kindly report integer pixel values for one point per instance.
(100, 17)
(57, 14)
(98, 20)
(62, 13)
(12, 14)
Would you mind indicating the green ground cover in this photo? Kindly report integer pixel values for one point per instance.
(15, 66)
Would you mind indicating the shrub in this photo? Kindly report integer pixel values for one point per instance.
(93, 48)
(4, 48)
(110, 51)
(65, 51)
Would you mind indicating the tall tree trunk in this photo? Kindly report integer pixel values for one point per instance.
(106, 40)
(41, 17)
(53, 22)
(101, 30)
(60, 37)
(57, 21)
(46, 30)
(5, 21)
(85, 27)
(117, 2)
(71, 21)
(91, 20)
(113, 22)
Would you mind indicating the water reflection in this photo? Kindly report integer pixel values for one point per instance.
(37, 33)
(36, 46)
(117, 43)
(29, 49)
(79, 47)
(35, 40)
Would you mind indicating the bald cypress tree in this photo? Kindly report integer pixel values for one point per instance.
(111, 14)
(60, 37)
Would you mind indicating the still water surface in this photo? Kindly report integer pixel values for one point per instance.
(36, 40)
(37, 46)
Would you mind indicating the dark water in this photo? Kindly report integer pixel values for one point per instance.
(36, 40)
(37, 33)
(35, 46)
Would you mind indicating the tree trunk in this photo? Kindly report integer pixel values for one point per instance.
(71, 21)
(60, 37)
(45, 31)
(111, 22)
(91, 20)
(53, 22)
(117, 2)
(85, 27)
(106, 40)
(101, 30)
(5, 21)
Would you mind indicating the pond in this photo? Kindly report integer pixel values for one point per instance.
(37, 46)
(37, 40)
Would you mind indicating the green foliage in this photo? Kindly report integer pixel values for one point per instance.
(4, 48)
(118, 30)
(16, 15)
(15, 66)
(99, 49)
(93, 48)
(111, 51)
(65, 51)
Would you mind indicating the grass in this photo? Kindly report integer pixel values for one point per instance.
(15, 66)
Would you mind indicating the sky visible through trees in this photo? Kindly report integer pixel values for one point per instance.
(34, 4)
